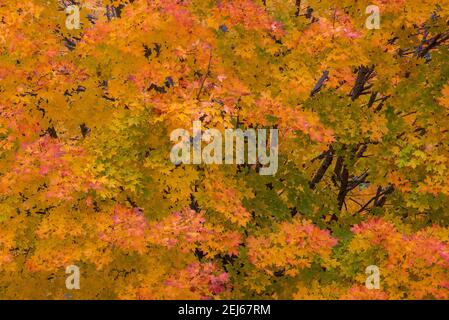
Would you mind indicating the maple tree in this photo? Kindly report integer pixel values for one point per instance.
(85, 171)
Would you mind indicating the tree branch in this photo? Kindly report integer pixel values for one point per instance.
(320, 83)
(322, 169)
(205, 76)
(364, 74)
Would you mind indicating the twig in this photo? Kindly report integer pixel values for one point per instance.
(205, 76)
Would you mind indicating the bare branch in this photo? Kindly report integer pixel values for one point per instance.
(322, 169)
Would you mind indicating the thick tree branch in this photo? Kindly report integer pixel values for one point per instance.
(322, 169)
(205, 76)
(379, 199)
(364, 74)
(344, 179)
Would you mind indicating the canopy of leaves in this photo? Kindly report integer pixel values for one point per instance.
(85, 170)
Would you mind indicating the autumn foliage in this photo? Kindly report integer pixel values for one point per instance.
(85, 171)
